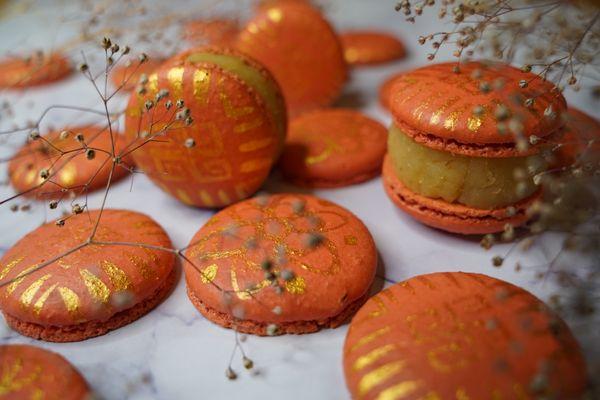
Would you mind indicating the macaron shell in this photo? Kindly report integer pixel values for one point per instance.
(437, 101)
(386, 91)
(30, 372)
(218, 31)
(302, 51)
(371, 47)
(460, 335)
(237, 135)
(22, 73)
(452, 217)
(127, 77)
(333, 148)
(70, 171)
(580, 129)
(329, 279)
(92, 284)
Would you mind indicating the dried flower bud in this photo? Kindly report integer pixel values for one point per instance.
(523, 84)
(143, 57)
(497, 261)
(179, 103)
(90, 154)
(248, 363)
(230, 374)
(272, 329)
(148, 105)
(63, 135)
(76, 209)
(189, 143)
(53, 204)
(106, 43)
(79, 137)
(34, 134)
(533, 139)
(126, 50)
(487, 241)
(83, 67)
(168, 104)
(44, 174)
(60, 222)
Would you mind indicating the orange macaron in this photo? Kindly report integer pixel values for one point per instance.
(301, 49)
(453, 161)
(90, 290)
(458, 335)
(77, 160)
(38, 69)
(286, 263)
(385, 91)
(208, 126)
(30, 372)
(127, 75)
(215, 31)
(333, 148)
(371, 47)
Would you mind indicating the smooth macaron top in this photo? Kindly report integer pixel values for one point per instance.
(302, 51)
(371, 47)
(72, 169)
(237, 126)
(333, 147)
(30, 372)
(92, 283)
(460, 335)
(581, 138)
(459, 111)
(328, 253)
(38, 69)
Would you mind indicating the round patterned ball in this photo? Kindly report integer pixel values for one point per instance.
(460, 335)
(208, 126)
(91, 289)
(285, 263)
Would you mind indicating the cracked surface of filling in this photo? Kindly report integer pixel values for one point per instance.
(478, 182)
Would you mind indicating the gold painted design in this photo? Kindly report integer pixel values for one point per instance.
(201, 81)
(9, 381)
(175, 77)
(372, 356)
(297, 285)
(255, 165)
(69, 298)
(39, 304)
(370, 337)
(183, 196)
(223, 197)
(461, 394)
(350, 240)
(209, 273)
(118, 277)
(253, 145)
(29, 293)
(96, 288)
(330, 147)
(398, 391)
(230, 110)
(10, 265)
(247, 126)
(19, 278)
(206, 198)
(141, 264)
(378, 376)
(152, 84)
(247, 293)
(452, 120)
(67, 175)
(275, 15)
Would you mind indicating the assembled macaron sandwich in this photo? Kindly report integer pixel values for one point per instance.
(465, 144)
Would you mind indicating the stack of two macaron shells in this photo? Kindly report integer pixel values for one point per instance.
(449, 163)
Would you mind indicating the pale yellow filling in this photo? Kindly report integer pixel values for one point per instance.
(478, 182)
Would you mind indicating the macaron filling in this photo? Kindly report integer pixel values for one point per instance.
(253, 77)
(478, 182)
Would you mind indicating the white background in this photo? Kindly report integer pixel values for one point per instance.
(174, 353)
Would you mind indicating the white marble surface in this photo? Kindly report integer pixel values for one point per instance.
(174, 353)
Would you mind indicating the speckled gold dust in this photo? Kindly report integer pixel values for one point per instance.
(378, 376)
(29, 293)
(118, 277)
(70, 299)
(96, 288)
(297, 285)
(10, 382)
(209, 273)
